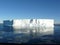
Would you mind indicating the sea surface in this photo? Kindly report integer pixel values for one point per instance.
(8, 35)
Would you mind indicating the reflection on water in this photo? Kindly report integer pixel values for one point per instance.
(8, 34)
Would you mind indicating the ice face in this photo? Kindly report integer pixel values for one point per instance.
(46, 26)
(20, 23)
(47, 23)
(39, 26)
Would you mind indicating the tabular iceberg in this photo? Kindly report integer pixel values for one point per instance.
(38, 26)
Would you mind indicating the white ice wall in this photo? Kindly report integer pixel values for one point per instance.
(42, 26)
(20, 23)
(46, 26)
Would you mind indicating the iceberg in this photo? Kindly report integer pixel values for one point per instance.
(38, 26)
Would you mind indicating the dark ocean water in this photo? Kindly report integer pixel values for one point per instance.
(7, 35)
